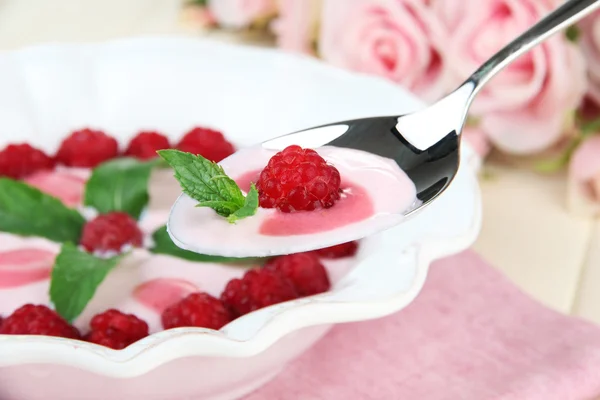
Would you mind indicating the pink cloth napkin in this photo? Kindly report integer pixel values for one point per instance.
(470, 335)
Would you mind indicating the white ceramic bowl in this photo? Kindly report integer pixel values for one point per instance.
(252, 94)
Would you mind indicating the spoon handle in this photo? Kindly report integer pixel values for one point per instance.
(567, 14)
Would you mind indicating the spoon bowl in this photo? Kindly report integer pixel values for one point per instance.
(424, 145)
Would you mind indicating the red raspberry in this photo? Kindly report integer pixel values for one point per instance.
(145, 145)
(197, 309)
(298, 179)
(208, 143)
(20, 160)
(110, 232)
(258, 288)
(304, 270)
(87, 148)
(33, 319)
(338, 251)
(116, 330)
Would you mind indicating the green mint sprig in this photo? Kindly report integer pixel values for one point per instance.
(27, 211)
(207, 183)
(75, 277)
(120, 185)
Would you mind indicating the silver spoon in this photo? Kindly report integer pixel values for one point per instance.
(425, 144)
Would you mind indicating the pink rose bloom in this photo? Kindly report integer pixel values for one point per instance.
(296, 25)
(590, 43)
(389, 38)
(524, 109)
(480, 144)
(478, 140)
(584, 178)
(240, 13)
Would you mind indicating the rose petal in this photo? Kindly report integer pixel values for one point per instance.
(296, 24)
(390, 38)
(524, 108)
(585, 162)
(583, 188)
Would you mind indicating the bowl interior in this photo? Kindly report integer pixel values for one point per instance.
(251, 94)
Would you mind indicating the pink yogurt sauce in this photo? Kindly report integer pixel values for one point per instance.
(158, 294)
(25, 266)
(67, 186)
(355, 205)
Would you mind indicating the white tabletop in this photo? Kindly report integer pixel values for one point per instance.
(542, 248)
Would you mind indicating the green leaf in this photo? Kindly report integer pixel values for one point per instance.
(198, 3)
(164, 245)
(120, 185)
(249, 207)
(572, 33)
(207, 183)
(26, 211)
(558, 163)
(75, 277)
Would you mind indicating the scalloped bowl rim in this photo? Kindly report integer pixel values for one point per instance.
(140, 357)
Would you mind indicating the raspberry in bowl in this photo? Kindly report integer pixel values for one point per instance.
(372, 278)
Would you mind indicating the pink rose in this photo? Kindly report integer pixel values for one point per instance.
(389, 38)
(478, 140)
(240, 13)
(296, 25)
(524, 109)
(584, 178)
(590, 43)
(479, 143)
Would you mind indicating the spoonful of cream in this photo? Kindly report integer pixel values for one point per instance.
(338, 182)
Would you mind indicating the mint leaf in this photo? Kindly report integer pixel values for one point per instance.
(164, 245)
(207, 183)
(120, 185)
(26, 211)
(75, 277)
(249, 207)
(572, 33)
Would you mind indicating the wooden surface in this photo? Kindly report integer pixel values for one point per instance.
(527, 232)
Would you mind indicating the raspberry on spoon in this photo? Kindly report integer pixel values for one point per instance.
(297, 179)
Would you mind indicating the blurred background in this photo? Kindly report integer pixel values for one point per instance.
(535, 127)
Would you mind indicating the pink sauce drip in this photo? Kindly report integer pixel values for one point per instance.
(25, 266)
(158, 294)
(355, 206)
(62, 185)
(245, 180)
